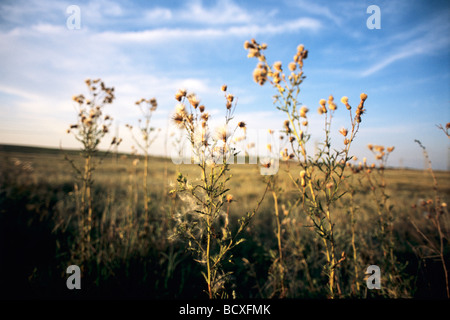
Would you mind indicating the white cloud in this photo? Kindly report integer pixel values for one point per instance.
(224, 12)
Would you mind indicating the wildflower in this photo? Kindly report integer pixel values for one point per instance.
(222, 134)
(224, 88)
(178, 119)
(292, 66)
(193, 100)
(344, 132)
(253, 53)
(201, 108)
(363, 96)
(344, 100)
(229, 198)
(269, 147)
(154, 104)
(205, 116)
(302, 174)
(305, 123)
(303, 111)
(260, 74)
(277, 66)
(370, 146)
(180, 94)
(242, 125)
(390, 149)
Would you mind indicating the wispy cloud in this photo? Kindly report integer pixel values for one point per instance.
(170, 34)
(426, 38)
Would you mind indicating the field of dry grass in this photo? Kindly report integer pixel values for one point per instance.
(39, 233)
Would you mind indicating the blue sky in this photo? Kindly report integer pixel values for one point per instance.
(151, 48)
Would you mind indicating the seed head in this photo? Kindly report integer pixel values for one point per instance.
(180, 94)
(363, 96)
(193, 100)
(292, 66)
(344, 132)
(277, 66)
(303, 111)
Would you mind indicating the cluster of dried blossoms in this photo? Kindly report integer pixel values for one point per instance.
(191, 116)
(92, 125)
(205, 198)
(322, 172)
(148, 134)
(90, 129)
(264, 71)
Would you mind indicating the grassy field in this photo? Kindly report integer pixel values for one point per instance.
(40, 235)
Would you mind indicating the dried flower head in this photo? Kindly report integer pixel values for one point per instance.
(303, 111)
(180, 94)
(242, 124)
(292, 66)
(193, 100)
(344, 132)
(278, 66)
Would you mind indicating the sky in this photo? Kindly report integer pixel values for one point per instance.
(148, 49)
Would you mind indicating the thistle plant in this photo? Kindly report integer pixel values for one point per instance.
(91, 127)
(378, 189)
(321, 174)
(148, 136)
(204, 223)
(435, 211)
